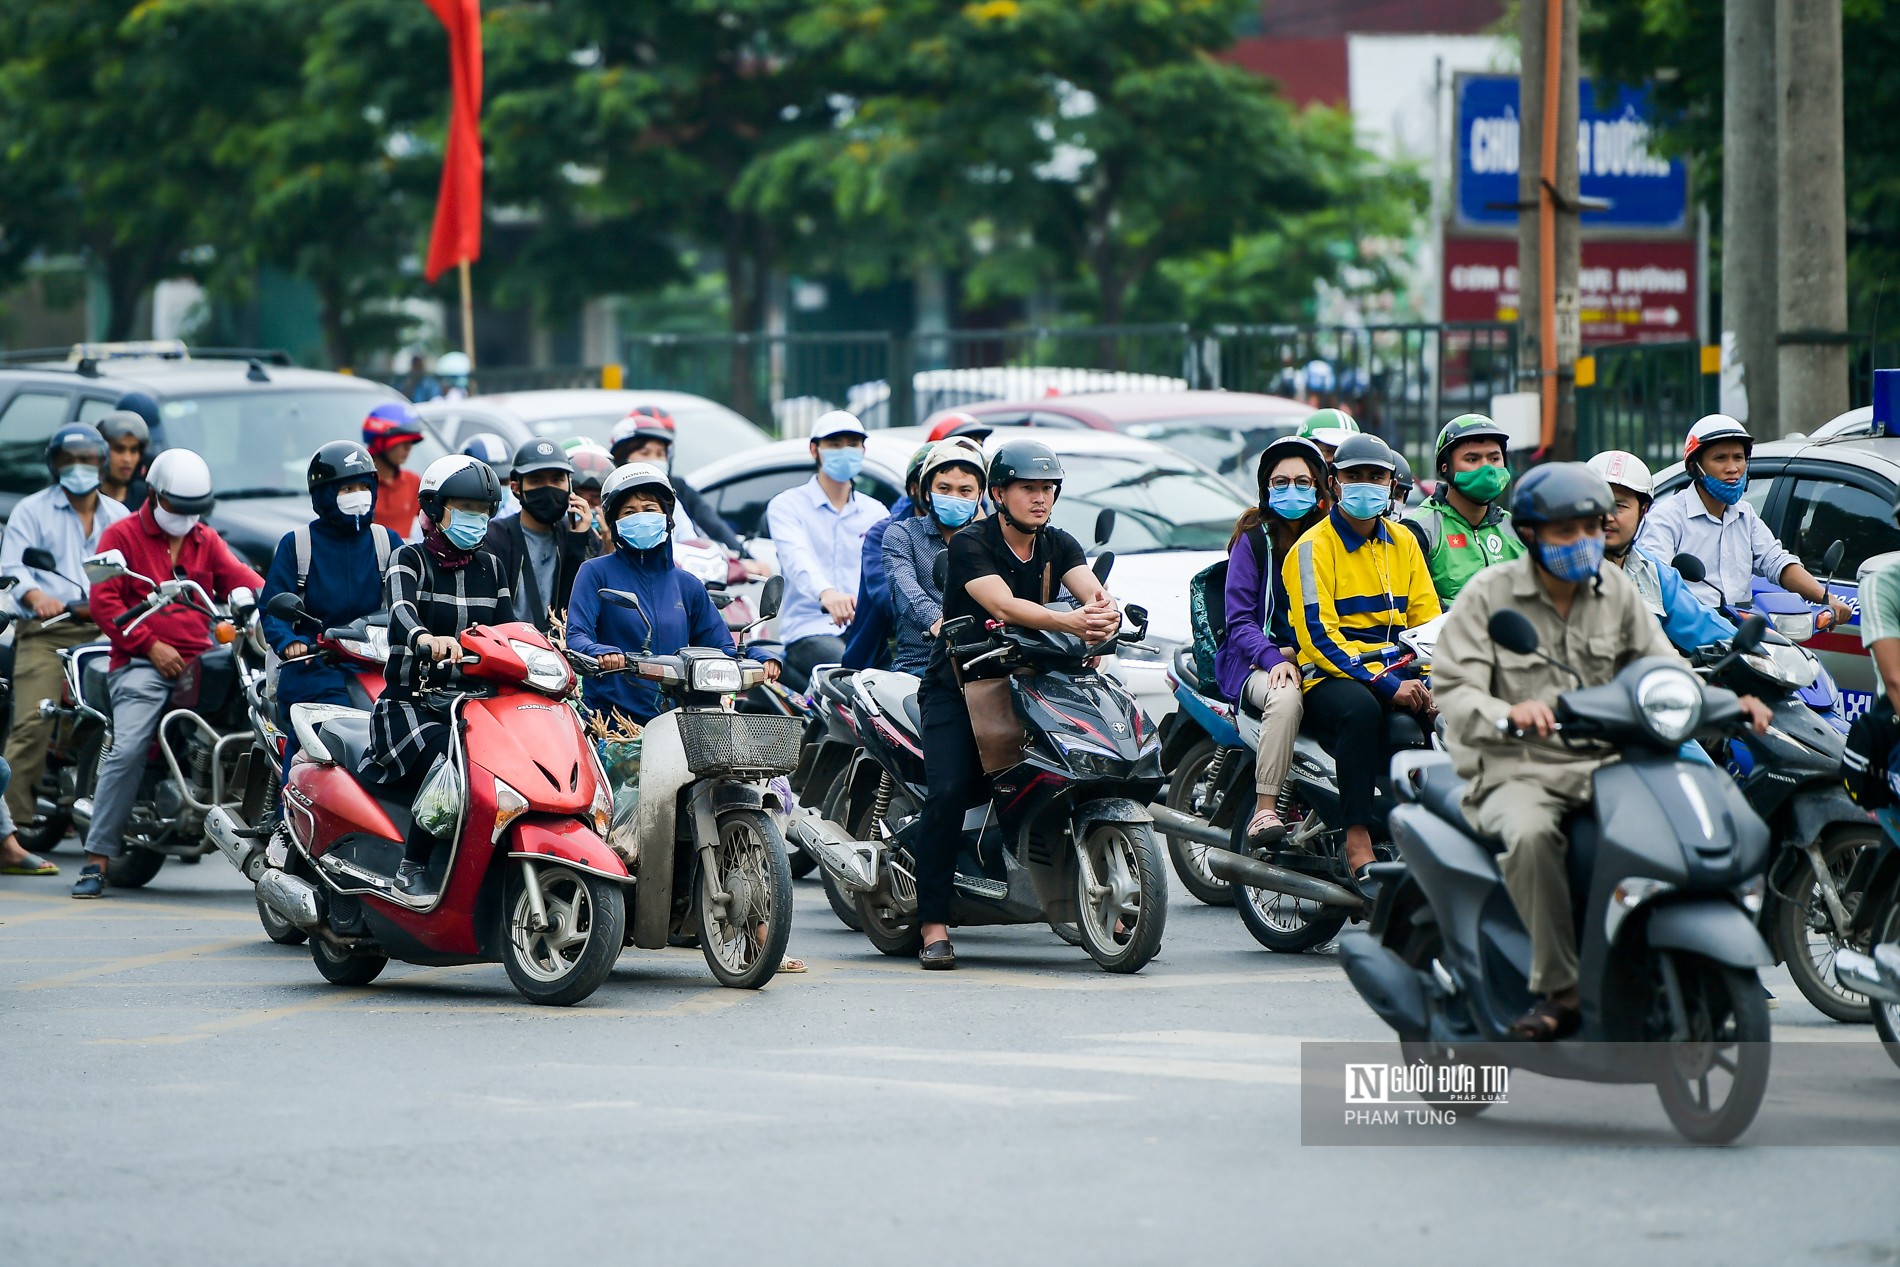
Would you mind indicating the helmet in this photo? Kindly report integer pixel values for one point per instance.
(458, 477)
(1467, 427)
(838, 422)
(913, 469)
(124, 422)
(955, 420)
(182, 479)
(645, 422)
(1624, 470)
(1023, 460)
(1365, 450)
(142, 404)
(1290, 447)
(632, 477)
(1329, 426)
(75, 438)
(1319, 376)
(488, 447)
(388, 425)
(339, 462)
(454, 365)
(1713, 427)
(541, 455)
(592, 466)
(1560, 490)
(956, 451)
(1403, 481)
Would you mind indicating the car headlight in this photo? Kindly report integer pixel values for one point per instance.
(509, 805)
(373, 646)
(1785, 666)
(546, 670)
(715, 677)
(1671, 703)
(1794, 626)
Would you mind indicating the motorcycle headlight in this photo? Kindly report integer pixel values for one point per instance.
(1794, 626)
(1670, 701)
(715, 677)
(1153, 651)
(373, 646)
(1785, 666)
(546, 670)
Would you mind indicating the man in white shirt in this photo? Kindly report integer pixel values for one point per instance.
(819, 529)
(1710, 520)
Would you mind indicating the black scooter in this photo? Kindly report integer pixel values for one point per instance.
(1666, 873)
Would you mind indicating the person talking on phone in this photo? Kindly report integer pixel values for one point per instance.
(541, 548)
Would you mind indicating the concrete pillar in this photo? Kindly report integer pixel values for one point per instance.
(1812, 198)
(1751, 122)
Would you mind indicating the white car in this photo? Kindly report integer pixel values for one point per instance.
(706, 428)
(935, 390)
(1172, 518)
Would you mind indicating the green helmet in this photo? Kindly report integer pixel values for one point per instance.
(916, 465)
(1024, 460)
(1467, 427)
(1329, 427)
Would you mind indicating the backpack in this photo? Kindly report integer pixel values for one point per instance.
(1207, 607)
(300, 537)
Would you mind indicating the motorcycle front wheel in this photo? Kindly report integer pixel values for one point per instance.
(1711, 1085)
(1805, 936)
(569, 959)
(1187, 795)
(1887, 1015)
(744, 942)
(1121, 896)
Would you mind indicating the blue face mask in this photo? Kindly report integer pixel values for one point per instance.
(642, 530)
(842, 465)
(1723, 491)
(465, 529)
(1579, 561)
(1292, 502)
(952, 512)
(1365, 501)
(79, 479)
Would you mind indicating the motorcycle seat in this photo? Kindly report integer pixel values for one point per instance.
(92, 683)
(895, 694)
(347, 738)
(1442, 791)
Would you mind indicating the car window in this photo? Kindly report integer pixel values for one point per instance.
(1822, 512)
(258, 444)
(741, 501)
(1230, 447)
(29, 418)
(92, 409)
(1158, 506)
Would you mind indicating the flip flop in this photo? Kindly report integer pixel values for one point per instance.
(1547, 1021)
(32, 864)
(792, 965)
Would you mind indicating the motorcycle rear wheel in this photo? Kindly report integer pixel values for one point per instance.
(564, 963)
(890, 930)
(134, 868)
(1809, 950)
(1887, 1015)
(340, 968)
(1283, 924)
(1189, 857)
(754, 871)
(1122, 861)
(1729, 1030)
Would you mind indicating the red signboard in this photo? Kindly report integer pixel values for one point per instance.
(1627, 290)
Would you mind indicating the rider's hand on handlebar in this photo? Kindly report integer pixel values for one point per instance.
(296, 649)
(1842, 613)
(1532, 716)
(612, 662)
(439, 647)
(44, 605)
(1104, 618)
(772, 670)
(165, 659)
(1758, 713)
(1413, 695)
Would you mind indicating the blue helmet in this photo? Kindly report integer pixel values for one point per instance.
(76, 438)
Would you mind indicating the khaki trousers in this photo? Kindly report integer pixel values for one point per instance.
(36, 676)
(1528, 817)
(1279, 726)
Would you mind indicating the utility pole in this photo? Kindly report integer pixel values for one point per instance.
(1751, 122)
(1813, 214)
(1549, 252)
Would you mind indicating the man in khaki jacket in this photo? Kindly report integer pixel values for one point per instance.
(1588, 617)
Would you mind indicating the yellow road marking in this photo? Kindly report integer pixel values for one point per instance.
(1030, 979)
(132, 962)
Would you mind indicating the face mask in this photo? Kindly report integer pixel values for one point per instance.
(1482, 484)
(1723, 491)
(465, 529)
(842, 465)
(643, 529)
(1364, 501)
(1292, 502)
(952, 512)
(547, 505)
(172, 524)
(79, 479)
(1578, 561)
(355, 504)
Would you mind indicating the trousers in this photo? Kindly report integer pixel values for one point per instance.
(140, 697)
(1280, 709)
(36, 676)
(806, 654)
(956, 779)
(1528, 816)
(1348, 720)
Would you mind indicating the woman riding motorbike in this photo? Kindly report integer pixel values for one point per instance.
(950, 490)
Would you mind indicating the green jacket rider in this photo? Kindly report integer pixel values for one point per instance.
(1464, 523)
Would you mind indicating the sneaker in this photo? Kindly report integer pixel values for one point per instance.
(91, 881)
(412, 881)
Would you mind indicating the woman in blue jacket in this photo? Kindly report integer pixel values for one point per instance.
(638, 502)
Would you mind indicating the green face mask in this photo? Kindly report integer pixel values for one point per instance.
(1482, 483)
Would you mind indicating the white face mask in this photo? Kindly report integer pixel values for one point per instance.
(355, 503)
(172, 523)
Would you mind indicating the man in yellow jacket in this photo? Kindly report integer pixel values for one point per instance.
(1355, 581)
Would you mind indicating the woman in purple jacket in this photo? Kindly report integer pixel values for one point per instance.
(1257, 657)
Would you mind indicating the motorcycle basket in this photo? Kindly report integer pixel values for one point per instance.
(740, 745)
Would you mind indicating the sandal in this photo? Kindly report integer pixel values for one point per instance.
(32, 864)
(790, 964)
(1264, 830)
(1546, 1022)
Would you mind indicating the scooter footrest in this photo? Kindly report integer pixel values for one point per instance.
(982, 886)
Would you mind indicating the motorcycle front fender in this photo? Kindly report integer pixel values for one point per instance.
(1109, 809)
(1715, 930)
(566, 841)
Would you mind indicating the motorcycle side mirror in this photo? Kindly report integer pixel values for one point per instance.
(105, 566)
(40, 559)
(1104, 563)
(1831, 561)
(1748, 637)
(1104, 526)
(8, 582)
(940, 571)
(1691, 568)
(628, 601)
(771, 597)
(287, 607)
(1513, 631)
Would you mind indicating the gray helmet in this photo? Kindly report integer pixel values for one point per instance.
(123, 422)
(1365, 450)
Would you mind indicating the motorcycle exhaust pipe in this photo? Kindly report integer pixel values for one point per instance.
(852, 863)
(1255, 874)
(82, 813)
(1877, 975)
(1187, 827)
(294, 899)
(222, 827)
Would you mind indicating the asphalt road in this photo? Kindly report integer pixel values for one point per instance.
(183, 1091)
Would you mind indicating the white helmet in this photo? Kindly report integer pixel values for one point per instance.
(1713, 427)
(183, 479)
(955, 449)
(453, 365)
(636, 475)
(1624, 470)
(836, 423)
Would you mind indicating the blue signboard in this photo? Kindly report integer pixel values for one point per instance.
(1614, 160)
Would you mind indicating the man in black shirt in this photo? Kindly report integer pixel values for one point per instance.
(1006, 566)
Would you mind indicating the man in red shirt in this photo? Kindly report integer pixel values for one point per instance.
(390, 434)
(149, 651)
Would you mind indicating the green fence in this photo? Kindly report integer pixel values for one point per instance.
(1644, 399)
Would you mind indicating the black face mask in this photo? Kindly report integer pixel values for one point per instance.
(546, 504)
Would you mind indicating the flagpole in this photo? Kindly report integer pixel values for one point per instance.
(468, 316)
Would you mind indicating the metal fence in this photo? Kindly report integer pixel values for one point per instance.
(1644, 399)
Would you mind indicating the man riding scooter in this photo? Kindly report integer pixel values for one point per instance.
(167, 538)
(1687, 622)
(1588, 618)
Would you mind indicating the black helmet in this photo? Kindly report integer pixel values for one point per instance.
(1467, 427)
(1560, 490)
(75, 438)
(458, 477)
(1365, 449)
(1403, 481)
(1290, 447)
(142, 404)
(541, 455)
(341, 461)
(123, 422)
(1024, 460)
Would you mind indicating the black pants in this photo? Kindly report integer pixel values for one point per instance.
(1347, 718)
(956, 779)
(806, 654)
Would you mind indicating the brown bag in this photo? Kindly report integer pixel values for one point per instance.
(1000, 735)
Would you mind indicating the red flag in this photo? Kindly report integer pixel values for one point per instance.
(457, 234)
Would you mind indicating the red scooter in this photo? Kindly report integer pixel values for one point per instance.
(526, 878)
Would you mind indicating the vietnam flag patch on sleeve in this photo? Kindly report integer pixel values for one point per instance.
(1457, 541)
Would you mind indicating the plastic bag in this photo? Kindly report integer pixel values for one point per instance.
(438, 805)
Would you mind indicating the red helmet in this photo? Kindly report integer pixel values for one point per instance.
(950, 422)
(388, 425)
(643, 422)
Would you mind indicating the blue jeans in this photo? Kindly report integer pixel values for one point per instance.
(6, 816)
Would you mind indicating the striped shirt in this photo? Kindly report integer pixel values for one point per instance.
(1350, 597)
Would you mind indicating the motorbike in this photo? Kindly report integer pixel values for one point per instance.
(1064, 838)
(1209, 774)
(1871, 967)
(1666, 872)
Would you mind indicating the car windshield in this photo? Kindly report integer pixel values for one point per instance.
(706, 431)
(1158, 505)
(258, 443)
(1229, 445)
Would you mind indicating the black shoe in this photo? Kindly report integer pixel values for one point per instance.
(1362, 883)
(938, 955)
(412, 881)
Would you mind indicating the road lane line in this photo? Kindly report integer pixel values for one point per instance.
(133, 962)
